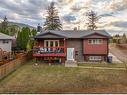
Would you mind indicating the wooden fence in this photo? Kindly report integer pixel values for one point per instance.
(13, 65)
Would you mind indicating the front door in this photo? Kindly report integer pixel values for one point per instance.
(70, 53)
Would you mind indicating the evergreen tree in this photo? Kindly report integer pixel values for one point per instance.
(4, 24)
(124, 39)
(92, 20)
(13, 29)
(7, 28)
(52, 20)
(18, 41)
(33, 32)
(31, 42)
(23, 38)
(117, 38)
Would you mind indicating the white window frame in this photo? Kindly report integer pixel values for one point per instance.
(49, 43)
(95, 58)
(95, 41)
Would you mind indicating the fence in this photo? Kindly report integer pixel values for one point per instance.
(13, 65)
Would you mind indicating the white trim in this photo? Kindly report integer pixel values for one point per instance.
(95, 41)
(49, 43)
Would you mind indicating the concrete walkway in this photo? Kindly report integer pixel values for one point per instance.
(71, 63)
(102, 68)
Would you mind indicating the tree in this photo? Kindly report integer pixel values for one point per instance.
(31, 41)
(23, 38)
(52, 20)
(7, 28)
(33, 32)
(13, 29)
(124, 39)
(92, 20)
(18, 41)
(4, 24)
(116, 39)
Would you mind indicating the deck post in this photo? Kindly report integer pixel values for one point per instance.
(64, 45)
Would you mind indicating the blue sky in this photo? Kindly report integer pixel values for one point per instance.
(113, 13)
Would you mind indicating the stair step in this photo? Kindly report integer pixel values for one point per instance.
(70, 63)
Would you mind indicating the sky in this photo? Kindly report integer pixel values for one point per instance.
(112, 13)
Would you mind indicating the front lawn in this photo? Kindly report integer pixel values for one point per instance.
(58, 79)
(110, 65)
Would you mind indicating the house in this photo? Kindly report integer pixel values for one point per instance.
(5, 42)
(79, 45)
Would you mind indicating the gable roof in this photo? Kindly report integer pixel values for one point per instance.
(4, 37)
(73, 33)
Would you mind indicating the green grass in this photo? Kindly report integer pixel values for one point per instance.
(113, 65)
(58, 79)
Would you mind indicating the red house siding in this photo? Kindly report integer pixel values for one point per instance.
(95, 48)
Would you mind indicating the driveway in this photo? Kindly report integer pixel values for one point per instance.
(122, 56)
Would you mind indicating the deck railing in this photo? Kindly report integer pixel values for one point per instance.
(49, 50)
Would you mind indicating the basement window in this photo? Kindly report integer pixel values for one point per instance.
(95, 58)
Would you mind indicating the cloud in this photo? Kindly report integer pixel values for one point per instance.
(118, 5)
(69, 18)
(23, 9)
(113, 13)
(106, 15)
(122, 24)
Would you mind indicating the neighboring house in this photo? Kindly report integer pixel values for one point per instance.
(78, 45)
(5, 42)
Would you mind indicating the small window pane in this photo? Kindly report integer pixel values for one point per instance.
(56, 43)
(90, 41)
(95, 41)
(47, 43)
(51, 43)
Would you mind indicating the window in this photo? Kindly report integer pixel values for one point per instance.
(56, 43)
(46, 44)
(5, 41)
(95, 58)
(51, 43)
(95, 41)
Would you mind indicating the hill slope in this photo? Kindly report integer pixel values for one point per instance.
(20, 24)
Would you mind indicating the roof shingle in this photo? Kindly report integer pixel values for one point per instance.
(4, 36)
(74, 33)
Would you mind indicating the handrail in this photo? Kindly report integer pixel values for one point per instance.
(40, 50)
(48, 47)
